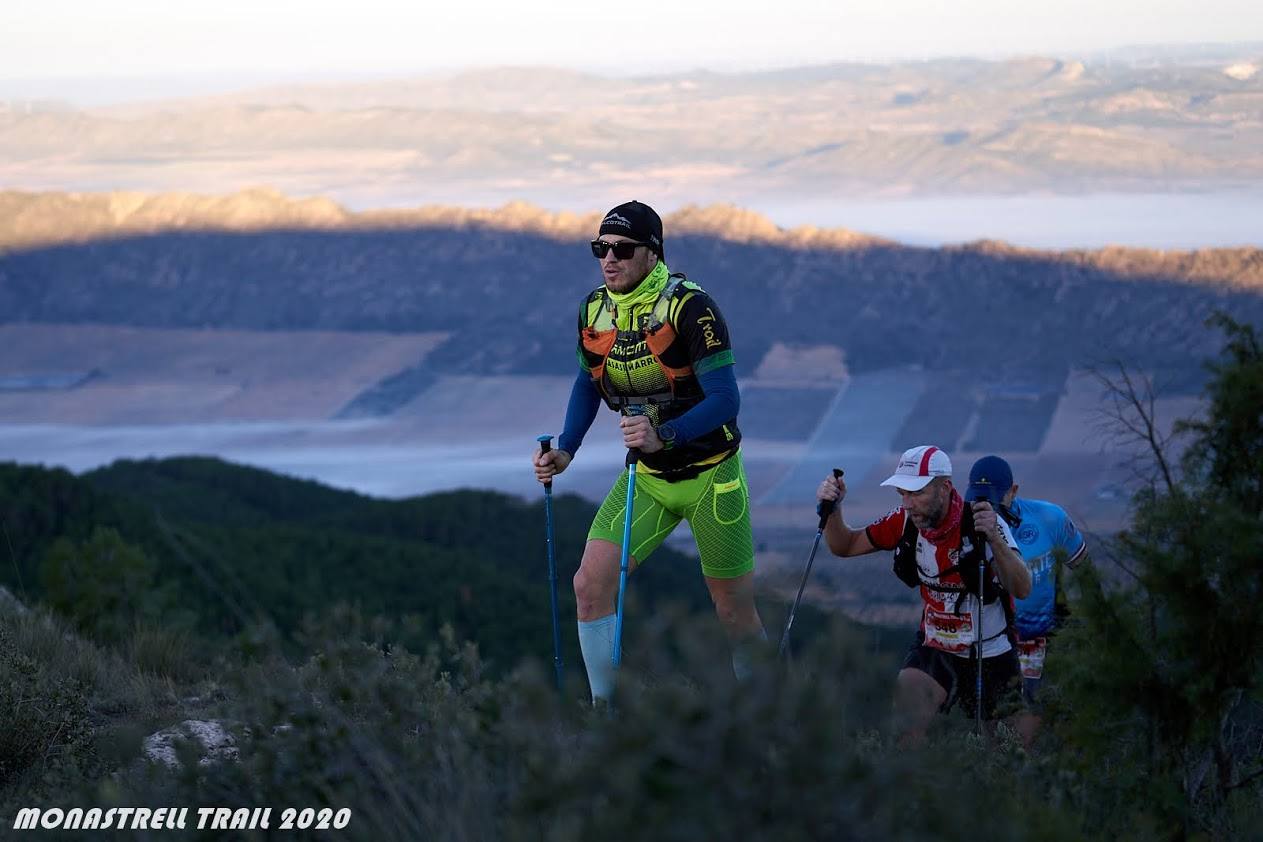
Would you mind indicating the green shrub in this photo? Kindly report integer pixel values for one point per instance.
(44, 713)
(424, 747)
(104, 585)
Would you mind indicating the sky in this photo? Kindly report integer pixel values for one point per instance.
(91, 45)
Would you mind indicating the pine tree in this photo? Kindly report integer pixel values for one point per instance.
(1162, 672)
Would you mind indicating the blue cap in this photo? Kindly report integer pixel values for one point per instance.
(989, 479)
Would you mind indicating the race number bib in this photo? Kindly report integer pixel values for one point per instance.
(948, 631)
(1031, 655)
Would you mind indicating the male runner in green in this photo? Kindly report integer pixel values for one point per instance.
(654, 346)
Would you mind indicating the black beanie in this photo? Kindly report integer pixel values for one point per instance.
(636, 220)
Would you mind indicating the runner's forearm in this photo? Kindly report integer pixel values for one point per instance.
(721, 403)
(580, 413)
(1013, 573)
(843, 540)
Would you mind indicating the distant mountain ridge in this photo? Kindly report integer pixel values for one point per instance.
(52, 218)
(947, 126)
(505, 284)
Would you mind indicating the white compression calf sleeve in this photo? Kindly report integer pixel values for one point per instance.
(743, 652)
(596, 641)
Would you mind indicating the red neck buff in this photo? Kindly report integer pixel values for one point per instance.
(949, 522)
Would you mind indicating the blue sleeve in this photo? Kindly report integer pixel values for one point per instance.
(580, 413)
(721, 402)
(1072, 539)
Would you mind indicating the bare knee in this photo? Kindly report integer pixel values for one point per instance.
(596, 581)
(917, 698)
(916, 689)
(592, 594)
(734, 605)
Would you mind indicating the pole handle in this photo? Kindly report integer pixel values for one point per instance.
(545, 445)
(825, 508)
(633, 453)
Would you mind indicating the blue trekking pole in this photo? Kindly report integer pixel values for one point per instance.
(633, 456)
(825, 509)
(545, 445)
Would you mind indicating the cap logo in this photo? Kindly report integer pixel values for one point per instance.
(615, 219)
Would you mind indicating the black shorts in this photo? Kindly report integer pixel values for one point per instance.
(1001, 678)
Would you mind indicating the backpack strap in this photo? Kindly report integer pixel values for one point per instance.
(905, 565)
(662, 307)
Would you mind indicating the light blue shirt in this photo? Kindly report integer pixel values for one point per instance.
(1045, 528)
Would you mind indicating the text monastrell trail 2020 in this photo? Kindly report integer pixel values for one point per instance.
(182, 818)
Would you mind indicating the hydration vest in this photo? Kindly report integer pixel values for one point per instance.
(599, 337)
(972, 551)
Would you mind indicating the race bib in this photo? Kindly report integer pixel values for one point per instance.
(948, 631)
(1031, 655)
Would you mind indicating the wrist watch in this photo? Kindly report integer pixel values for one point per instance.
(667, 434)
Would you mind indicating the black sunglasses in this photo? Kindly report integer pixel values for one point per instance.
(622, 251)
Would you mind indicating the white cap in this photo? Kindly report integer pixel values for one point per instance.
(918, 466)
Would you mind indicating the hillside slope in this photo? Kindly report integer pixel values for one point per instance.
(523, 271)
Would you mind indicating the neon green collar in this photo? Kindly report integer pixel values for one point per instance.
(645, 293)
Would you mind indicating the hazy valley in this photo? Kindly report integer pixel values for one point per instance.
(402, 352)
